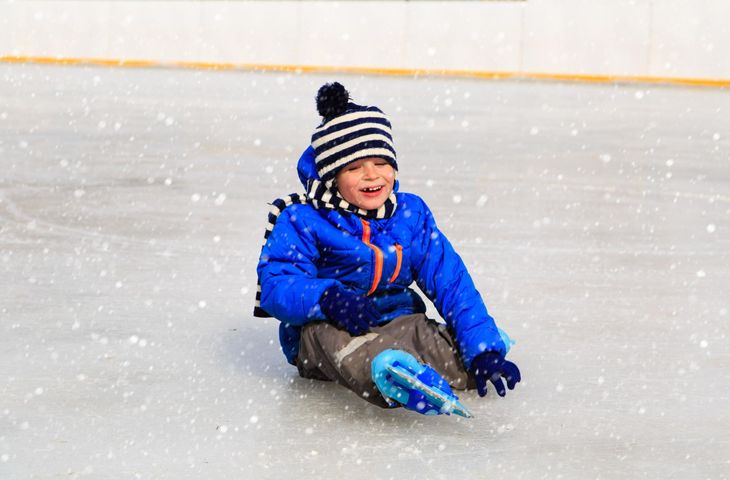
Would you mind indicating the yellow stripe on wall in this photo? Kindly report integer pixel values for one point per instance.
(409, 72)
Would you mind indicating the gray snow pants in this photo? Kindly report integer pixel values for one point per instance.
(328, 353)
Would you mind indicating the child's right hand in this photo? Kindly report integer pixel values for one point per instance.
(349, 310)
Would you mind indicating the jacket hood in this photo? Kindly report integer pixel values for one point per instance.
(307, 169)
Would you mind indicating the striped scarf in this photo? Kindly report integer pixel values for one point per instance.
(319, 195)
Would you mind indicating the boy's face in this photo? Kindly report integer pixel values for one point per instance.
(366, 183)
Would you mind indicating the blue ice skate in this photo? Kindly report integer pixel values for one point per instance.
(418, 387)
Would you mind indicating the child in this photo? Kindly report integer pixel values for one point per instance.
(338, 262)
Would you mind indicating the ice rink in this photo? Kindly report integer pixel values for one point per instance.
(594, 219)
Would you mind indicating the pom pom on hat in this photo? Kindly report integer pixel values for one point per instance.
(332, 100)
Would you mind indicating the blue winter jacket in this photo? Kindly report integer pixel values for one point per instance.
(311, 249)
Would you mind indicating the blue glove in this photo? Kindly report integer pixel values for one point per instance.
(491, 366)
(348, 310)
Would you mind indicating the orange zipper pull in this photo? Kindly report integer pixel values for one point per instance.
(398, 262)
(378, 255)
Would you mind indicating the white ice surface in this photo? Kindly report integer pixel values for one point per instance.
(594, 219)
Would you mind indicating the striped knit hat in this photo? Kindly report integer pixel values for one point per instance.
(348, 133)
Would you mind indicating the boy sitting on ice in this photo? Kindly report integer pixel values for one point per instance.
(338, 262)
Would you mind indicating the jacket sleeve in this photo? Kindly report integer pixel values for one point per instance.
(290, 289)
(441, 274)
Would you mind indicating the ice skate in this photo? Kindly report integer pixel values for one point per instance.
(402, 379)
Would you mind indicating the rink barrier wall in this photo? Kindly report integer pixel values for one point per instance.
(656, 41)
(404, 72)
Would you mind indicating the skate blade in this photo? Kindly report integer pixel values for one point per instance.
(446, 403)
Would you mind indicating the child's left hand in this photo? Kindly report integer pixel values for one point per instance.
(491, 366)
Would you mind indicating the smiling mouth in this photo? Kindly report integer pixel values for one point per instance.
(371, 189)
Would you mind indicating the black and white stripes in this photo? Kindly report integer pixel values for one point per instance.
(319, 195)
(360, 132)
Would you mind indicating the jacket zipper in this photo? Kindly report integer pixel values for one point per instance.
(379, 258)
(378, 255)
(398, 261)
